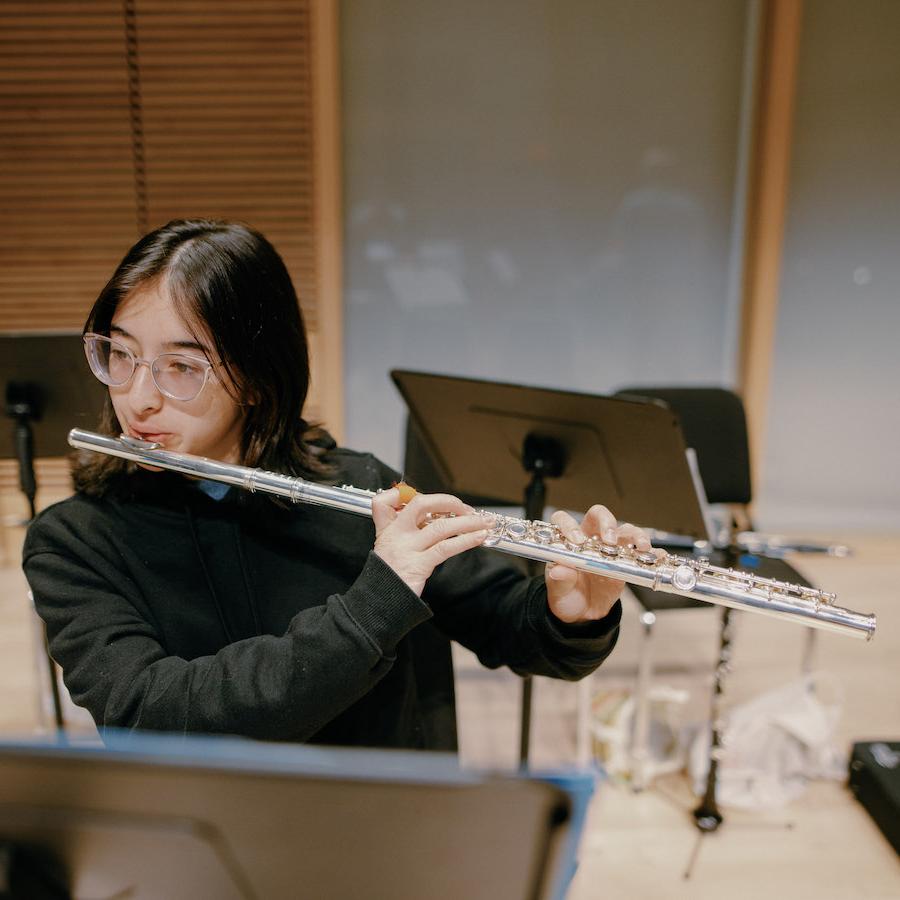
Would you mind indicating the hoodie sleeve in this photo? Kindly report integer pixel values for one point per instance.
(104, 635)
(502, 615)
(489, 605)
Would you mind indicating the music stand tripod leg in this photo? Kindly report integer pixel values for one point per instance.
(541, 456)
(707, 815)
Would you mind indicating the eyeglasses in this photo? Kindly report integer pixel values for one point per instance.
(177, 376)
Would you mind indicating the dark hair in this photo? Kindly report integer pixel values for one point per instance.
(226, 279)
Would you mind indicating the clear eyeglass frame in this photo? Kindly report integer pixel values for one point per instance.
(92, 350)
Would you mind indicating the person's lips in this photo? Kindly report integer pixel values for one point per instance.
(156, 437)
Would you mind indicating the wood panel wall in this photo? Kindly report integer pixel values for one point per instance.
(767, 213)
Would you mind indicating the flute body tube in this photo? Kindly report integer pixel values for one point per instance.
(540, 541)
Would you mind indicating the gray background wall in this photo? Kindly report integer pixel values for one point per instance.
(545, 193)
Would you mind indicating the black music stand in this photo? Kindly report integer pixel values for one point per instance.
(48, 389)
(184, 817)
(516, 443)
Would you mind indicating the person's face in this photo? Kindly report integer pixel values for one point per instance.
(209, 425)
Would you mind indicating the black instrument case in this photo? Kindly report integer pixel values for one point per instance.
(875, 780)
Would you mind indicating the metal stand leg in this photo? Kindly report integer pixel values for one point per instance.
(541, 457)
(46, 672)
(809, 651)
(54, 687)
(640, 751)
(525, 725)
(583, 753)
(707, 814)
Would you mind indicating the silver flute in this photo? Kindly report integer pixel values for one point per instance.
(541, 541)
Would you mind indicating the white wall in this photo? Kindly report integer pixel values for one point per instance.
(536, 192)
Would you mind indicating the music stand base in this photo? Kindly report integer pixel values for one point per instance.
(707, 818)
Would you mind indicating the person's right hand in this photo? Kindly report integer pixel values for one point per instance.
(414, 545)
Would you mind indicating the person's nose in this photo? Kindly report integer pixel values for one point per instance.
(143, 394)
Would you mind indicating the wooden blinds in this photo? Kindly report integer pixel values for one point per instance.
(66, 181)
(225, 99)
(118, 115)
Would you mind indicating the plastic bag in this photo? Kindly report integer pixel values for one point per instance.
(612, 729)
(774, 745)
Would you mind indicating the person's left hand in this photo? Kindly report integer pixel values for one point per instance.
(576, 596)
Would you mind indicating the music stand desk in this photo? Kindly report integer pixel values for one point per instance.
(187, 817)
(628, 455)
(69, 395)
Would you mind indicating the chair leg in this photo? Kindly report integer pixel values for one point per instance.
(640, 751)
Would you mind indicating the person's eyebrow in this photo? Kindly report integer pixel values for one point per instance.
(171, 345)
(187, 345)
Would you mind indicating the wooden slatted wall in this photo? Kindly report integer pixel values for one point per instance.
(118, 115)
(66, 181)
(227, 109)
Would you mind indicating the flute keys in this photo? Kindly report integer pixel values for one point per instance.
(646, 557)
(516, 531)
(610, 550)
(684, 578)
(544, 534)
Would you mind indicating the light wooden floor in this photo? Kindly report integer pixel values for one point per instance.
(822, 846)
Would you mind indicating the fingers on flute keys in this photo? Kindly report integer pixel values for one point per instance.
(439, 520)
(448, 526)
(600, 522)
(429, 530)
(385, 507)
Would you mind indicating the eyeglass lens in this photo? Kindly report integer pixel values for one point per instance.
(177, 376)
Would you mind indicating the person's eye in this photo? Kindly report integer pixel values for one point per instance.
(183, 366)
(117, 354)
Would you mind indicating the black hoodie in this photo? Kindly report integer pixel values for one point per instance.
(171, 611)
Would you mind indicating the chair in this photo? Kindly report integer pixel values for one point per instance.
(715, 427)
